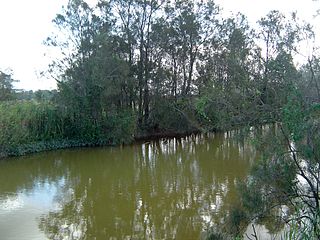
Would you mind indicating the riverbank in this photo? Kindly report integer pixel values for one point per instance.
(42, 146)
(30, 127)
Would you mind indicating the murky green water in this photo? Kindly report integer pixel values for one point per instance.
(165, 189)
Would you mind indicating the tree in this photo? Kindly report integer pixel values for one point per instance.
(282, 76)
(228, 76)
(283, 185)
(6, 88)
(280, 37)
(92, 78)
(310, 79)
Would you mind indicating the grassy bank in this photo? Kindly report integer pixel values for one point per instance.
(30, 126)
(33, 126)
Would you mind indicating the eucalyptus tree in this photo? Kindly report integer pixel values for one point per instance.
(93, 79)
(227, 74)
(195, 24)
(282, 76)
(280, 36)
(133, 25)
(124, 34)
(240, 54)
(75, 22)
(229, 55)
(162, 43)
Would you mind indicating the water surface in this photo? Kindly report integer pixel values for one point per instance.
(162, 189)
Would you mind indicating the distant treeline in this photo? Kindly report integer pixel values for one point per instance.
(38, 95)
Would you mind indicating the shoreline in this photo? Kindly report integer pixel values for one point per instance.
(44, 146)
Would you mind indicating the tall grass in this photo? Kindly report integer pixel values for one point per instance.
(30, 126)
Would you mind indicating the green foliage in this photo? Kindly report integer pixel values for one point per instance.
(39, 95)
(133, 67)
(37, 126)
(214, 236)
(169, 116)
(287, 174)
(220, 110)
(149, 67)
(121, 127)
(6, 88)
(294, 117)
(125, 60)
(27, 122)
(237, 221)
(299, 228)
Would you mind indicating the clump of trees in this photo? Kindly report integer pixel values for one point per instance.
(148, 57)
(133, 68)
(168, 66)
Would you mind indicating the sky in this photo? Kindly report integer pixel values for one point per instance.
(24, 25)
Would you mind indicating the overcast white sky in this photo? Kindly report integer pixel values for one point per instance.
(24, 25)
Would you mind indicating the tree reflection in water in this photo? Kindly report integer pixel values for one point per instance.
(164, 189)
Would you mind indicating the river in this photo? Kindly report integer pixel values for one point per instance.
(162, 189)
